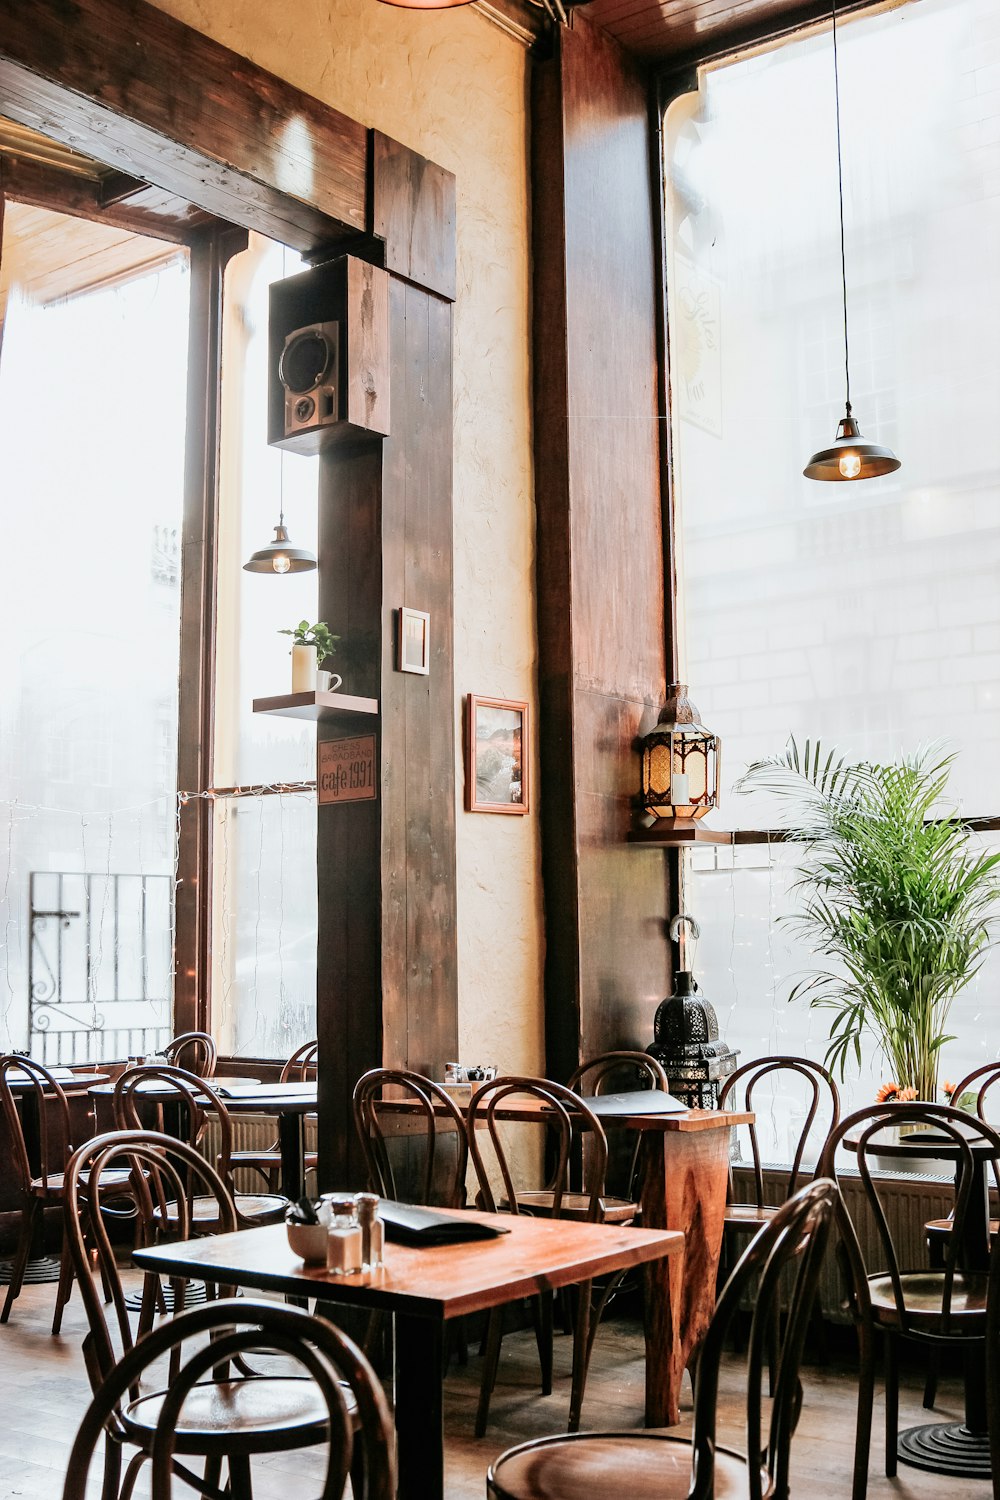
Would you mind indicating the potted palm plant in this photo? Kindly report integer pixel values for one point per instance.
(895, 899)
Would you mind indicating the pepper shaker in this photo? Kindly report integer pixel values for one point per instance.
(372, 1230)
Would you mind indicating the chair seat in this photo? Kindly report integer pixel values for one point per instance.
(643, 1465)
(747, 1216)
(254, 1415)
(922, 1294)
(942, 1228)
(268, 1160)
(261, 1208)
(576, 1206)
(54, 1183)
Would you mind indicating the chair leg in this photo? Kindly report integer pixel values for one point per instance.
(541, 1314)
(494, 1334)
(65, 1286)
(29, 1213)
(931, 1382)
(582, 1345)
(866, 1401)
(112, 1469)
(891, 1405)
(358, 1470)
(213, 1473)
(240, 1481)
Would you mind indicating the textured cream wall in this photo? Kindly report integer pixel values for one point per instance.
(453, 87)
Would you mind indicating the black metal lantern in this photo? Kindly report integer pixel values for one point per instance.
(687, 1044)
(680, 765)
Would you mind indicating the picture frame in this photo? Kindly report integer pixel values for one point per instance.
(413, 641)
(496, 755)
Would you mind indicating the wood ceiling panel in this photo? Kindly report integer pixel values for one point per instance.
(48, 256)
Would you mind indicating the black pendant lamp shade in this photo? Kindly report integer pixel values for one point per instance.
(280, 557)
(850, 457)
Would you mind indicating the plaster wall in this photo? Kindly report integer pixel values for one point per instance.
(453, 87)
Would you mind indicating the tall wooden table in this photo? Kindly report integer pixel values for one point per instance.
(424, 1288)
(685, 1176)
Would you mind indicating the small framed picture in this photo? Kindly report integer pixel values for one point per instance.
(413, 641)
(496, 755)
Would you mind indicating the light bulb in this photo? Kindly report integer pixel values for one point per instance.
(850, 465)
(280, 564)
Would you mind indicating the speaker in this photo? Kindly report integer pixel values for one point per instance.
(309, 371)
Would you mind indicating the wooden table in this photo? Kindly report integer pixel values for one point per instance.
(290, 1102)
(685, 1176)
(424, 1289)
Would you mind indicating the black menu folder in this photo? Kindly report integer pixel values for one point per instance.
(408, 1225)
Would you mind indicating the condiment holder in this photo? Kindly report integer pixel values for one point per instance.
(342, 1230)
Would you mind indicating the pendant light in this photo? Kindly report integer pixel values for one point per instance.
(281, 557)
(849, 456)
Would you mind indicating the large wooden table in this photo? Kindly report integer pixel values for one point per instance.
(685, 1175)
(424, 1288)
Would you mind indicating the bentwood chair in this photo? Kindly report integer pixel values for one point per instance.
(652, 1466)
(425, 1158)
(40, 1140)
(616, 1072)
(937, 1307)
(300, 1068)
(193, 1050)
(195, 1108)
(560, 1114)
(219, 1414)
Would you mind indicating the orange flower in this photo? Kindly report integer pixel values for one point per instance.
(947, 1088)
(887, 1093)
(905, 1096)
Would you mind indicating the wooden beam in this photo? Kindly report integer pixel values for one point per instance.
(152, 97)
(144, 210)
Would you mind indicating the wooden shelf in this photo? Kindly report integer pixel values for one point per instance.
(318, 706)
(678, 838)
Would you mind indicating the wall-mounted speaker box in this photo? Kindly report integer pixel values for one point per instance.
(328, 356)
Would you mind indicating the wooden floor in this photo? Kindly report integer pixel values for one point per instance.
(43, 1391)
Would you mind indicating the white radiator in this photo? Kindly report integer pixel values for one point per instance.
(252, 1133)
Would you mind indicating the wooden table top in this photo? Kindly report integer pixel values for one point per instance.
(930, 1143)
(268, 1098)
(442, 1281)
(530, 1111)
(69, 1085)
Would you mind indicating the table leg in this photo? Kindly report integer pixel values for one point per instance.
(419, 1413)
(291, 1144)
(683, 1187)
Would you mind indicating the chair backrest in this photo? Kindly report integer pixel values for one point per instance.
(194, 1103)
(301, 1066)
(194, 1050)
(161, 1170)
(796, 1238)
(822, 1109)
(978, 1083)
(629, 1070)
(868, 1130)
(433, 1171)
(561, 1114)
(237, 1327)
(42, 1094)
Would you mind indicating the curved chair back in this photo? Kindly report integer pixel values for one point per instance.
(237, 1327)
(822, 1101)
(971, 1144)
(47, 1099)
(190, 1096)
(797, 1238)
(301, 1066)
(161, 1170)
(631, 1070)
(193, 1050)
(978, 1083)
(441, 1131)
(559, 1111)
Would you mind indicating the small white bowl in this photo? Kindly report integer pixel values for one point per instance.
(308, 1241)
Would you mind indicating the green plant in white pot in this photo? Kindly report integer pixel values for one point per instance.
(311, 645)
(894, 895)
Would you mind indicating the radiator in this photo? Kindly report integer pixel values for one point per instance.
(909, 1201)
(251, 1133)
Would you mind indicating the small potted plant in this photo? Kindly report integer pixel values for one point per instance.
(311, 646)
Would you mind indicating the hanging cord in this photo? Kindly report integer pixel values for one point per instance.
(840, 190)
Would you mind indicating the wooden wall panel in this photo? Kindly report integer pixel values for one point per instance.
(601, 602)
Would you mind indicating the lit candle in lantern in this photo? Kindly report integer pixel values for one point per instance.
(679, 794)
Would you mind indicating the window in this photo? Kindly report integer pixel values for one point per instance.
(867, 615)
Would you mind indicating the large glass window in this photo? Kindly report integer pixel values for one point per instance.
(92, 383)
(864, 614)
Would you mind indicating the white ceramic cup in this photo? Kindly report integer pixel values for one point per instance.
(327, 682)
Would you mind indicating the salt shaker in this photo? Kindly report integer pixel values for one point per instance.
(372, 1230)
(343, 1241)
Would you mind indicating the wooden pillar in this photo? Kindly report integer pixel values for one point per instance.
(601, 613)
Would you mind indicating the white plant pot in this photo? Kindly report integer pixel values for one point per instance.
(303, 669)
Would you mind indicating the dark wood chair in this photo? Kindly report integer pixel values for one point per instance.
(194, 1051)
(652, 1466)
(566, 1114)
(936, 1308)
(616, 1072)
(194, 1106)
(218, 1409)
(423, 1160)
(300, 1068)
(41, 1143)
